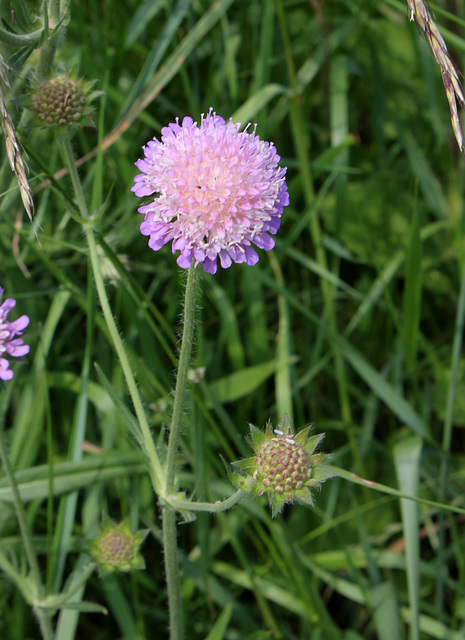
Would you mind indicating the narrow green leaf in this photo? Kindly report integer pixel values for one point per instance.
(397, 403)
(219, 628)
(242, 383)
(376, 486)
(429, 183)
(230, 326)
(144, 13)
(255, 103)
(407, 456)
(120, 607)
(161, 44)
(386, 612)
(412, 292)
(122, 409)
(34, 482)
(88, 607)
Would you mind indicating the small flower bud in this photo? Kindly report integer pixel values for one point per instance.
(62, 102)
(284, 466)
(117, 549)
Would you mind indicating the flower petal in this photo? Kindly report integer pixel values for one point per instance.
(218, 190)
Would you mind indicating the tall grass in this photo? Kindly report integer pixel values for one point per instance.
(354, 322)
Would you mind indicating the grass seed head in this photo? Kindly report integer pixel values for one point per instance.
(13, 147)
(454, 91)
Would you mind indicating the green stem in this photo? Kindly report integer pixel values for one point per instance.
(42, 616)
(170, 547)
(48, 49)
(55, 7)
(215, 507)
(46, 55)
(173, 579)
(9, 570)
(181, 380)
(156, 471)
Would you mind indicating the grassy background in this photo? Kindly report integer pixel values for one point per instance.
(349, 323)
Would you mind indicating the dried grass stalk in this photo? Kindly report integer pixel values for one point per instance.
(454, 90)
(13, 147)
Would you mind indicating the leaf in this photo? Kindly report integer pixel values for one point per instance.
(255, 103)
(219, 628)
(407, 458)
(34, 483)
(242, 383)
(145, 12)
(124, 412)
(412, 293)
(88, 607)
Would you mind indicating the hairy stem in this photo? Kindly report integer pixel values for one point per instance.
(181, 380)
(173, 580)
(156, 472)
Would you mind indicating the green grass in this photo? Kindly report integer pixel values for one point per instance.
(354, 323)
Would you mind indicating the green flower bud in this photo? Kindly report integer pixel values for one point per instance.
(62, 102)
(117, 549)
(284, 467)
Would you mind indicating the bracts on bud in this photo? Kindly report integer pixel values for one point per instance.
(285, 465)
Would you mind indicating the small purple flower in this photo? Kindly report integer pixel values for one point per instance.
(219, 190)
(10, 345)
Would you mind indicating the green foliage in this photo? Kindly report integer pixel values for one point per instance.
(354, 323)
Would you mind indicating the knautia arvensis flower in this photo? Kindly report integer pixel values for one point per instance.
(117, 549)
(219, 191)
(285, 465)
(9, 344)
(62, 101)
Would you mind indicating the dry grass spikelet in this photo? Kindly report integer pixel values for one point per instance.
(454, 91)
(13, 147)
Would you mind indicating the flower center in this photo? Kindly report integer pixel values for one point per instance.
(282, 465)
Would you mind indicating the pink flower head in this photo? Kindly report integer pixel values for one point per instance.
(219, 190)
(10, 345)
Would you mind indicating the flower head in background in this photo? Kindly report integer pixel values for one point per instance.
(285, 465)
(117, 548)
(220, 190)
(63, 101)
(9, 345)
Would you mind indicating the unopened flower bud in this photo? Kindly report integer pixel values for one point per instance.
(117, 549)
(62, 102)
(284, 466)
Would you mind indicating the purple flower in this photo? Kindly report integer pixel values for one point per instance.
(8, 331)
(219, 191)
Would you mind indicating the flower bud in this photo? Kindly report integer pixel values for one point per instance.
(117, 549)
(62, 102)
(284, 466)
